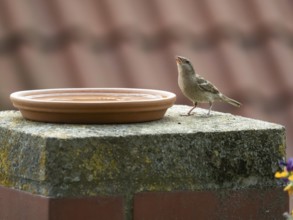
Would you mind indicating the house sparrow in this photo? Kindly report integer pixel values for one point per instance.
(196, 88)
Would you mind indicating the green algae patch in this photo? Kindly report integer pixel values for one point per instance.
(4, 167)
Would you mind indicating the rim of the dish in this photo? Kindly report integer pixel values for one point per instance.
(27, 94)
(22, 99)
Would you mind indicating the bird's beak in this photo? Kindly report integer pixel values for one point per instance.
(178, 60)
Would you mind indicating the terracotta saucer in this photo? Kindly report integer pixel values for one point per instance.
(93, 105)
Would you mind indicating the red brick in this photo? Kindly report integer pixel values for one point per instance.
(16, 205)
(221, 204)
(102, 208)
(175, 205)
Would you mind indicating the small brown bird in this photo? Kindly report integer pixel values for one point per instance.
(196, 88)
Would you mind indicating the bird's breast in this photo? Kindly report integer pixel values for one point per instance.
(188, 87)
(192, 91)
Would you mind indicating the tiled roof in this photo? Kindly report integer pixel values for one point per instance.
(245, 47)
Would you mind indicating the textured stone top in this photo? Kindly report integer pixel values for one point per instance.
(175, 153)
(172, 123)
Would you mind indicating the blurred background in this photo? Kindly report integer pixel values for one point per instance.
(245, 47)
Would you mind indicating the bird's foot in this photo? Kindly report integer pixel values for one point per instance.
(209, 113)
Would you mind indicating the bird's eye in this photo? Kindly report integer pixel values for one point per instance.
(187, 61)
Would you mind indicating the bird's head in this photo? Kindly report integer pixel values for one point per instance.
(184, 65)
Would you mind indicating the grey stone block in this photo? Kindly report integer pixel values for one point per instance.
(175, 153)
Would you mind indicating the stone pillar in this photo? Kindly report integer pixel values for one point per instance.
(197, 167)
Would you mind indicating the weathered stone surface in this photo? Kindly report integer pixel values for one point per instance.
(175, 153)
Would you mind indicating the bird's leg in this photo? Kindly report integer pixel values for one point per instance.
(194, 106)
(210, 108)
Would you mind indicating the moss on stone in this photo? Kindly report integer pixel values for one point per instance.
(5, 167)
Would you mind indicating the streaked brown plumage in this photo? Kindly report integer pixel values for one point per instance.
(196, 88)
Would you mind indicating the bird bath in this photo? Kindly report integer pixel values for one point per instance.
(93, 105)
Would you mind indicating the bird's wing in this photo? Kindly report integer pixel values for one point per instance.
(206, 86)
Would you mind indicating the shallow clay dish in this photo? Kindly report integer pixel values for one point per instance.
(93, 105)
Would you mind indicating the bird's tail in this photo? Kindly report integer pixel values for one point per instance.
(230, 101)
